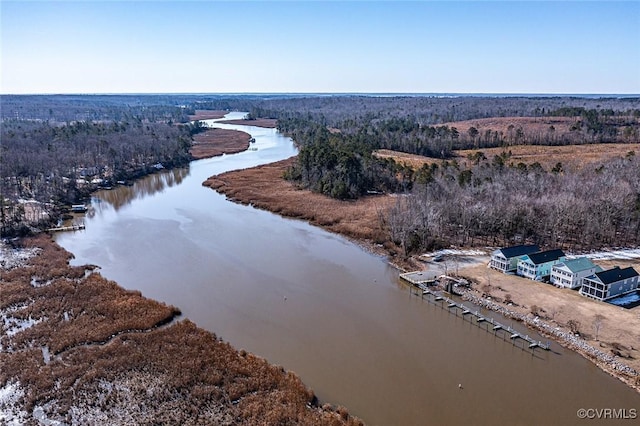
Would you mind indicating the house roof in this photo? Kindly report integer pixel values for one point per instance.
(545, 256)
(577, 265)
(517, 251)
(616, 274)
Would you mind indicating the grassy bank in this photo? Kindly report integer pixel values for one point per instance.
(263, 187)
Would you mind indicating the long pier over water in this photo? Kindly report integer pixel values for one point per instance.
(420, 286)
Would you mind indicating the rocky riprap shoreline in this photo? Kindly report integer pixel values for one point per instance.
(608, 362)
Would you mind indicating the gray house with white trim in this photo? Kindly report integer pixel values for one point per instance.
(610, 283)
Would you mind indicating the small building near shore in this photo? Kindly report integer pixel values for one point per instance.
(506, 259)
(611, 283)
(537, 266)
(570, 273)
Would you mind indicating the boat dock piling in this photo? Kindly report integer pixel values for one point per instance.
(419, 281)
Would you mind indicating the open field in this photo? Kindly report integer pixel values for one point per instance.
(528, 124)
(531, 126)
(77, 348)
(571, 156)
(214, 142)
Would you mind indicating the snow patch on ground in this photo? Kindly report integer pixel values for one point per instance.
(11, 325)
(12, 258)
(11, 413)
(625, 300)
(455, 252)
(618, 254)
(36, 282)
(40, 414)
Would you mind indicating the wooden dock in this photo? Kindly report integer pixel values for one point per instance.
(74, 227)
(419, 277)
(475, 317)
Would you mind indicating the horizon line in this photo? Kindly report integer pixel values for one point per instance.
(548, 94)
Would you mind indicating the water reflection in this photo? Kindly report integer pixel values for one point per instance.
(147, 186)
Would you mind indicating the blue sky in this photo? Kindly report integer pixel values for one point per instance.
(320, 46)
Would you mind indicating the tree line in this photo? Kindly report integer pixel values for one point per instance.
(338, 165)
(55, 164)
(69, 108)
(492, 204)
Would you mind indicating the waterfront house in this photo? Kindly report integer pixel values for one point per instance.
(610, 283)
(537, 266)
(506, 259)
(569, 274)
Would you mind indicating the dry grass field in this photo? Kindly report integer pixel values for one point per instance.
(571, 156)
(529, 125)
(215, 142)
(79, 349)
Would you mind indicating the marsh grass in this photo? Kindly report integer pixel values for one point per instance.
(119, 357)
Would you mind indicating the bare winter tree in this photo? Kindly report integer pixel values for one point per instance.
(597, 323)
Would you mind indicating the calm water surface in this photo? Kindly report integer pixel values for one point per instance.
(319, 305)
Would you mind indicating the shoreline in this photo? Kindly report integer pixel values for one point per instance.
(607, 363)
(263, 187)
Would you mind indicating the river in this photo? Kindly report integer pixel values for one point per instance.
(321, 306)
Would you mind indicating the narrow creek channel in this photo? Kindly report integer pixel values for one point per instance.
(321, 306)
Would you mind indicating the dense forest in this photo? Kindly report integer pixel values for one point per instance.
(492, 204)
(68, 108)
(70, 146)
